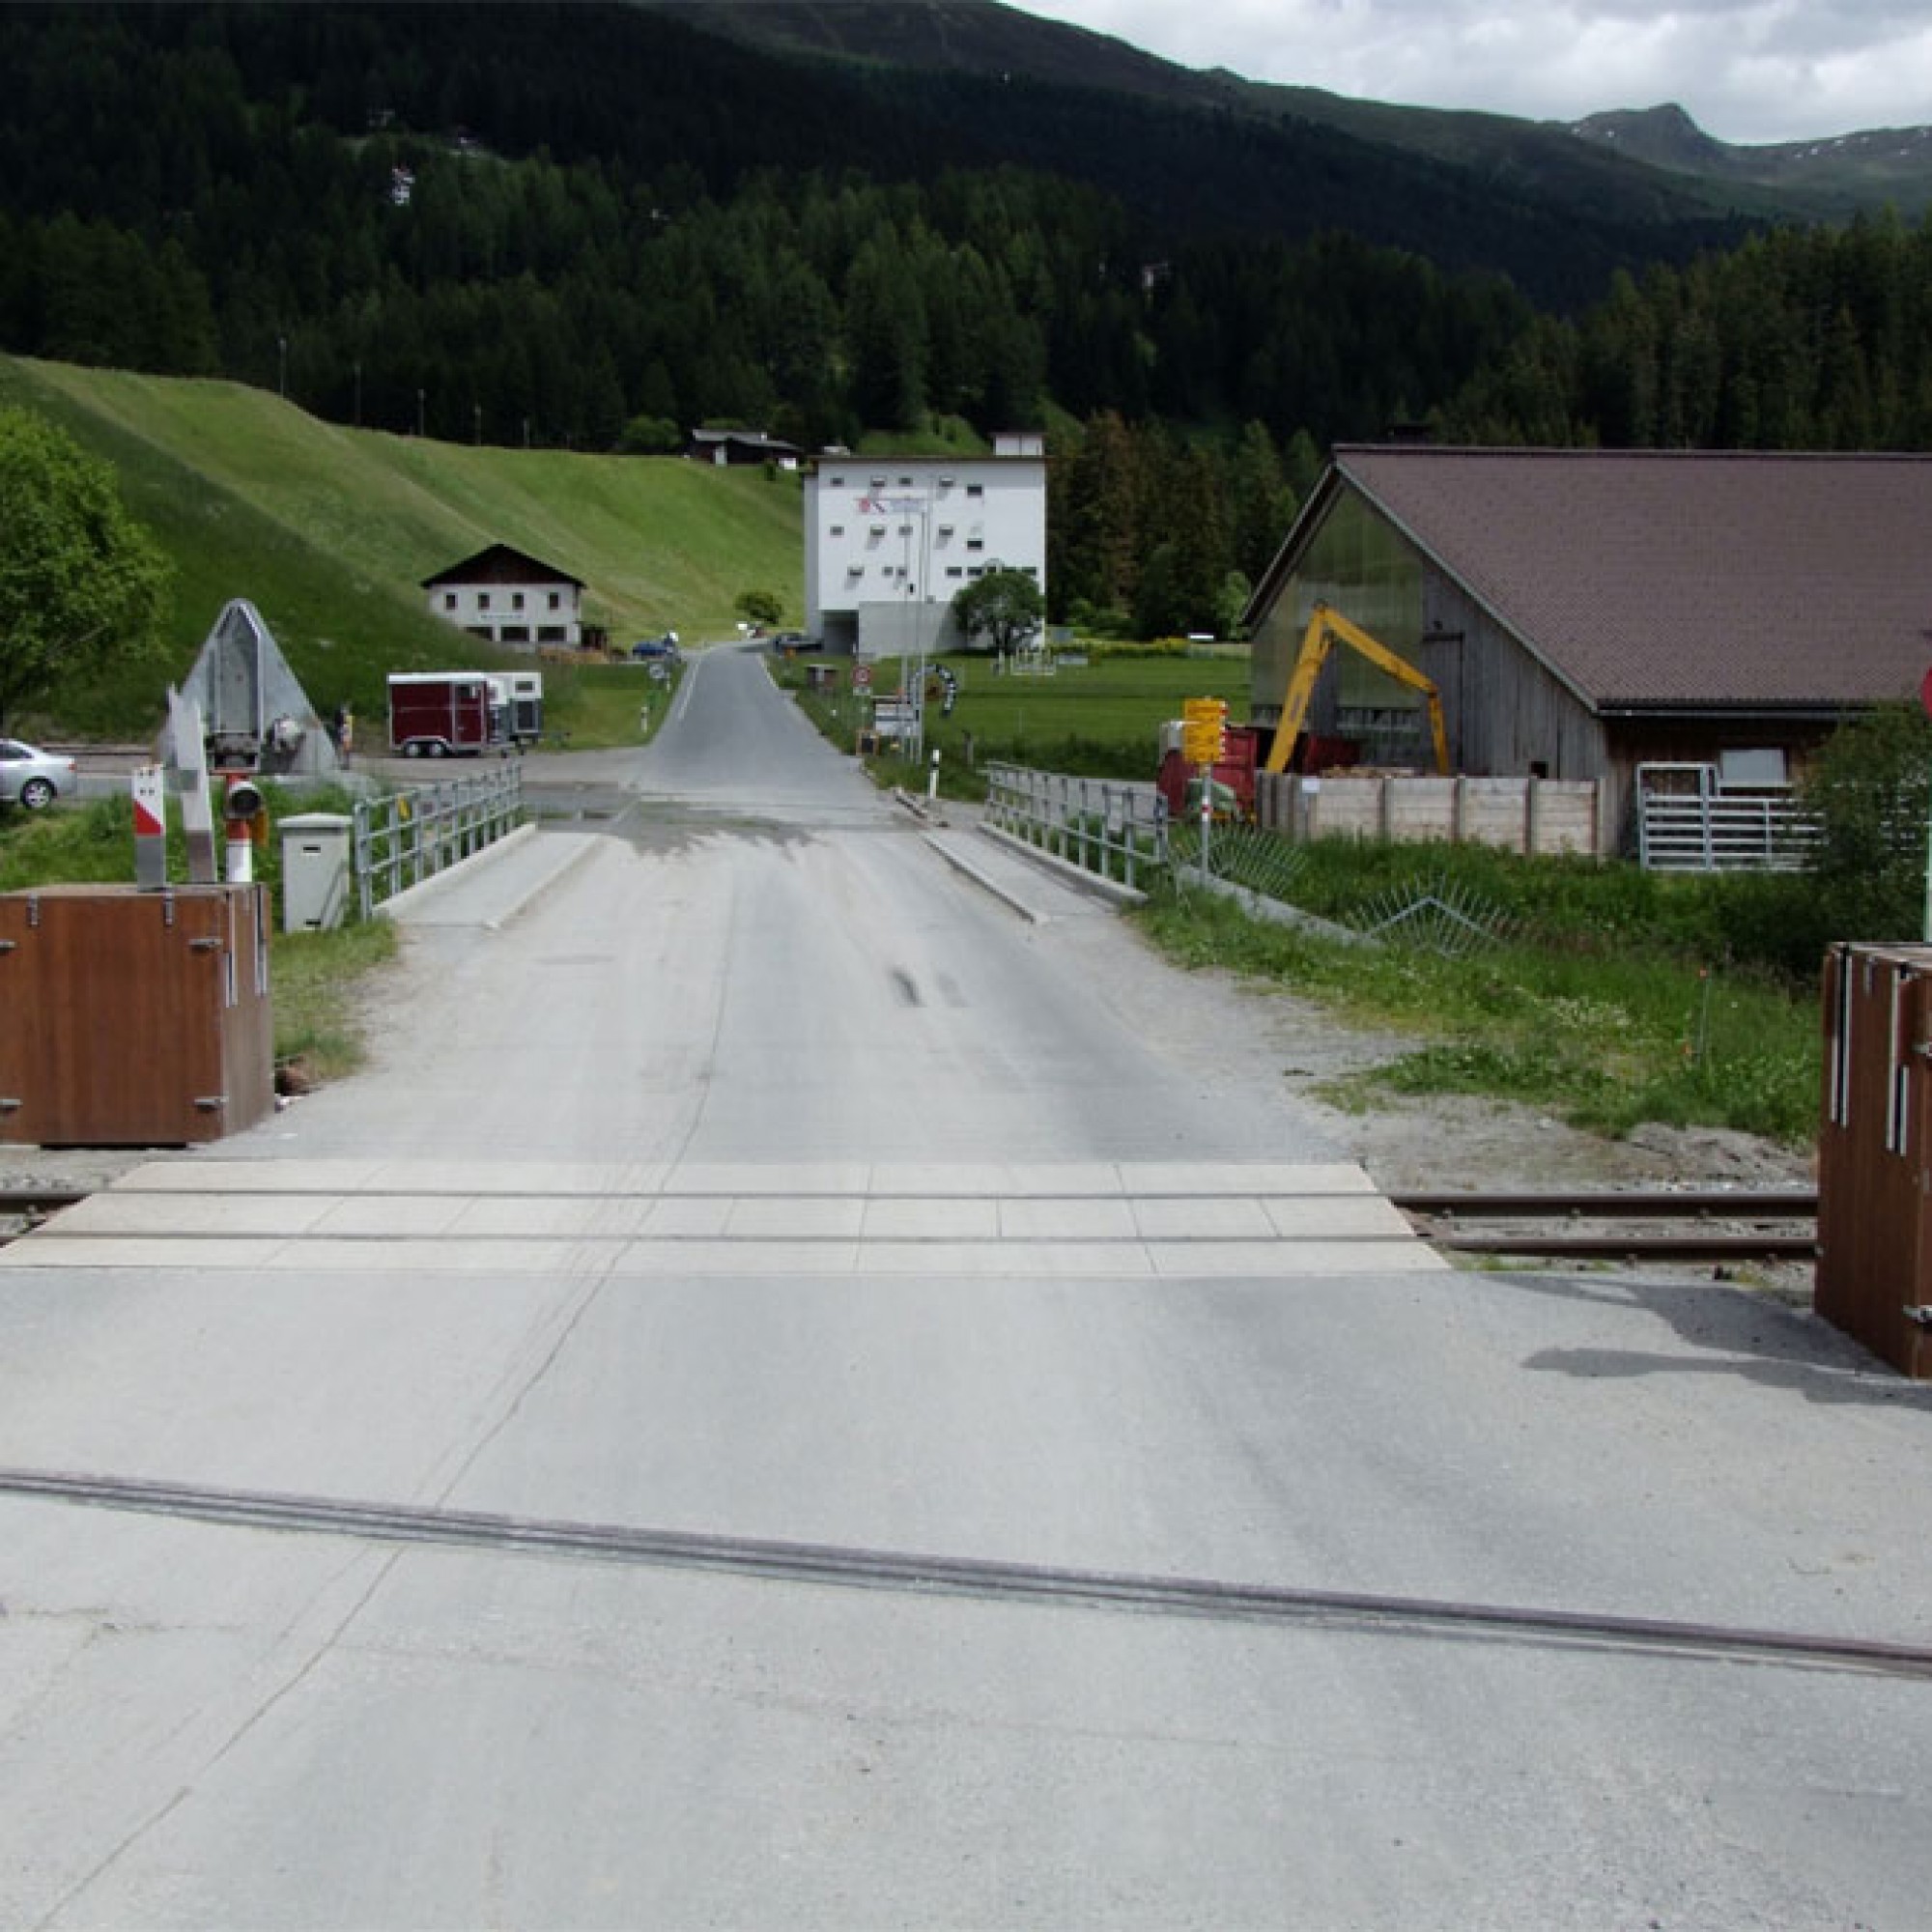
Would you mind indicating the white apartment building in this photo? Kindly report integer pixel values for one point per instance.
(889, 541)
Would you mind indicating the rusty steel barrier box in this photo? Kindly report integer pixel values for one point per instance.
(133, 1018)
(1874, 1277)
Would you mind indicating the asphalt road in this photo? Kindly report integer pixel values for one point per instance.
(778, 1296)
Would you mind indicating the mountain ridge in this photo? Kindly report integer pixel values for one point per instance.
(1683, 171)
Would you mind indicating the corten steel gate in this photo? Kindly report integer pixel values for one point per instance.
(133, 1018)
(1874, 1276)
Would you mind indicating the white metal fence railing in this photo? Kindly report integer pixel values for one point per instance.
(411, 835)
(1687, 822)
(1108, 826)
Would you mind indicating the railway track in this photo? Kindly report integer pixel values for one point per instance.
(1597, 1226)
(1782, 1222)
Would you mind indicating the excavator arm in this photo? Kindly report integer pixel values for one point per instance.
(1328, 627)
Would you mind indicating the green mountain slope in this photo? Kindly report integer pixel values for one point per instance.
(329, 531)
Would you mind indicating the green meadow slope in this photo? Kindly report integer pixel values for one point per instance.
(329, 531)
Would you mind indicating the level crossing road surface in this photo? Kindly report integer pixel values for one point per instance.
(783, 1397)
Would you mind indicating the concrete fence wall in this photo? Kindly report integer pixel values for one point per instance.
(1536, 816)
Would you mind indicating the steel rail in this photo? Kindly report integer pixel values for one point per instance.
(1443, 1218)
(1635, 1247)
(858, 1568)
(1632, 1204)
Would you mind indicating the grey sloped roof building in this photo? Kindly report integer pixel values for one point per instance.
(1588, 610)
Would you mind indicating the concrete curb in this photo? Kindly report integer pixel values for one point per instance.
(963, 865)
(1111, 890)
(1276, 912)
(407, 901)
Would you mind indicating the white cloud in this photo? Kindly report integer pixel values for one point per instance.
(1747, 71)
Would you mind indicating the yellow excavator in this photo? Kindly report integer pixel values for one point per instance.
(1327, 628)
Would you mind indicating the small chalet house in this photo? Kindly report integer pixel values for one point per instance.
(1584, 612)
(509, 598)
(731, 446)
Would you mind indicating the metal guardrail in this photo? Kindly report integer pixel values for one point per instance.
(1108, 827)
(411, 835)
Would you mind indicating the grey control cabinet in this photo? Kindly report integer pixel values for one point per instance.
(315, 871)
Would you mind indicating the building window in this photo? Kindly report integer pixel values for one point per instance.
(976, 489)
(953, 570)
(449, 600)
(975, 543)
(838, 529)
(516, 600)
(482, 600)
(556, 600)
(835, 482)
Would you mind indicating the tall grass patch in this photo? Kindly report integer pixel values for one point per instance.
(1609, 995)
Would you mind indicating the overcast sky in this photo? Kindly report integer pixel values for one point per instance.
(1745, 70)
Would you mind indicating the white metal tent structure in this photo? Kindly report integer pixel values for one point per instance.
(255, 712)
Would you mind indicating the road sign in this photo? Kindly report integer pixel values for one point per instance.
(862, 677)
(1202, 731)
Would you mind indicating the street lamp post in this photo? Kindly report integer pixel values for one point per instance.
(282, 368)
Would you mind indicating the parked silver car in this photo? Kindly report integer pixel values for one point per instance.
(31, 776)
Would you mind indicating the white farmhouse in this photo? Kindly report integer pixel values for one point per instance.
(889, 541)
(509, 598)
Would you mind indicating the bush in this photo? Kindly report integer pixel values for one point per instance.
(1871, 789)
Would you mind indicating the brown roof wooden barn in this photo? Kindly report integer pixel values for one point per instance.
(1585, 612)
